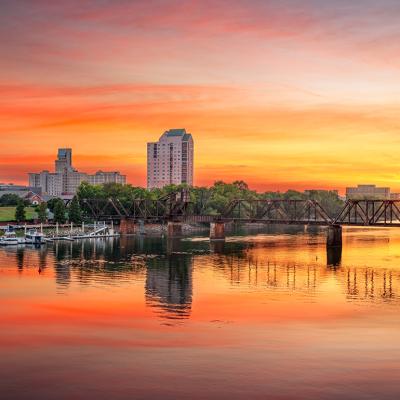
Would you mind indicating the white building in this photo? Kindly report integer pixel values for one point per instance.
(170, 160)
(367, 192)
(101, 177)
(66, 179)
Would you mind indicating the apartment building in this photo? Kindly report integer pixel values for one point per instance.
(170, 160)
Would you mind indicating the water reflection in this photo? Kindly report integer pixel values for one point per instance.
(334, 256)
(166, 267)
(168, 287)
(239, 315)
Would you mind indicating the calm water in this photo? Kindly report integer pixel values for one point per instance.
(263, 316)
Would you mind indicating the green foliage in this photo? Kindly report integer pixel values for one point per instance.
(20, 212)
(9, 199)
(52, 203)
(59, 212)
(329, 200)
(42, 212)
(74, 211)
(205, 200)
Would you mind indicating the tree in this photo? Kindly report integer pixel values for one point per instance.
(242, 185)
(74, 211)
(59, 212)
(20, 212)
(52, 203)
(9, 199)
(42, 212)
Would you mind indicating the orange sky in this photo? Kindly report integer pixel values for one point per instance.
(299, 94)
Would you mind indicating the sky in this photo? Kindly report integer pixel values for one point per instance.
(282, 94)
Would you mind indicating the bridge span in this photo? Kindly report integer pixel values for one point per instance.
(176, 208)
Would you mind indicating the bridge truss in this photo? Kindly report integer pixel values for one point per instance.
(177, 206)
(370, 213)
(274, 211)
(169, 207)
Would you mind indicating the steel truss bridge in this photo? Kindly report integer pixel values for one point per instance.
(178, 207)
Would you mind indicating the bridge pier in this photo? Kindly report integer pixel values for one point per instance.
(334, 256)
(334, 237)
(127, 226)
(174, 229)
(217, 231)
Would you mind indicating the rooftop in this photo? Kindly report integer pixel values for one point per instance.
(178, 133)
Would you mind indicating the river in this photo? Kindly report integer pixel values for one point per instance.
(268, 314)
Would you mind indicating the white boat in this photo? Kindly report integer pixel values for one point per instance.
(9, 239)
(34, 237)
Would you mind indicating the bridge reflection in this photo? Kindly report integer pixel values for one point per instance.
(166, 270)
(363, 284)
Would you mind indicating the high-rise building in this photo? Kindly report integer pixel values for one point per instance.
(170, 160)
(66, 179)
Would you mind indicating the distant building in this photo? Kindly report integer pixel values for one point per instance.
(10, 187)
(64, 160)
(101, 177)
(170, 160)
(367, 192)
(31, 194)
(66, 179)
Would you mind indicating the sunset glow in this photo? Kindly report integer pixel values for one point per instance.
(289, 94)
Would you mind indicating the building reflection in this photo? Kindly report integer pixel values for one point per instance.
(165, 268)
(169, 287)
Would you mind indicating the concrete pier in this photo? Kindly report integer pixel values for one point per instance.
(217, 231)
(127, 226)
(334, 238)
(174, 229)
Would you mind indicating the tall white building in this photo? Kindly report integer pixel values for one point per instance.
(170, 160)
(66, 179)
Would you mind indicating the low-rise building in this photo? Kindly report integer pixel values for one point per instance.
(28, 193)
(371, 192)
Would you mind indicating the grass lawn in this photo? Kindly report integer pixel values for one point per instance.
(8, 213)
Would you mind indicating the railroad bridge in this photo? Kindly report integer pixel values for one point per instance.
(176, 208)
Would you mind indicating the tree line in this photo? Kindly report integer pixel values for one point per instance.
(212, 200)
(61, 213)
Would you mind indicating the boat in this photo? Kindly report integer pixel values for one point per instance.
(9, 238)
(34, 237)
